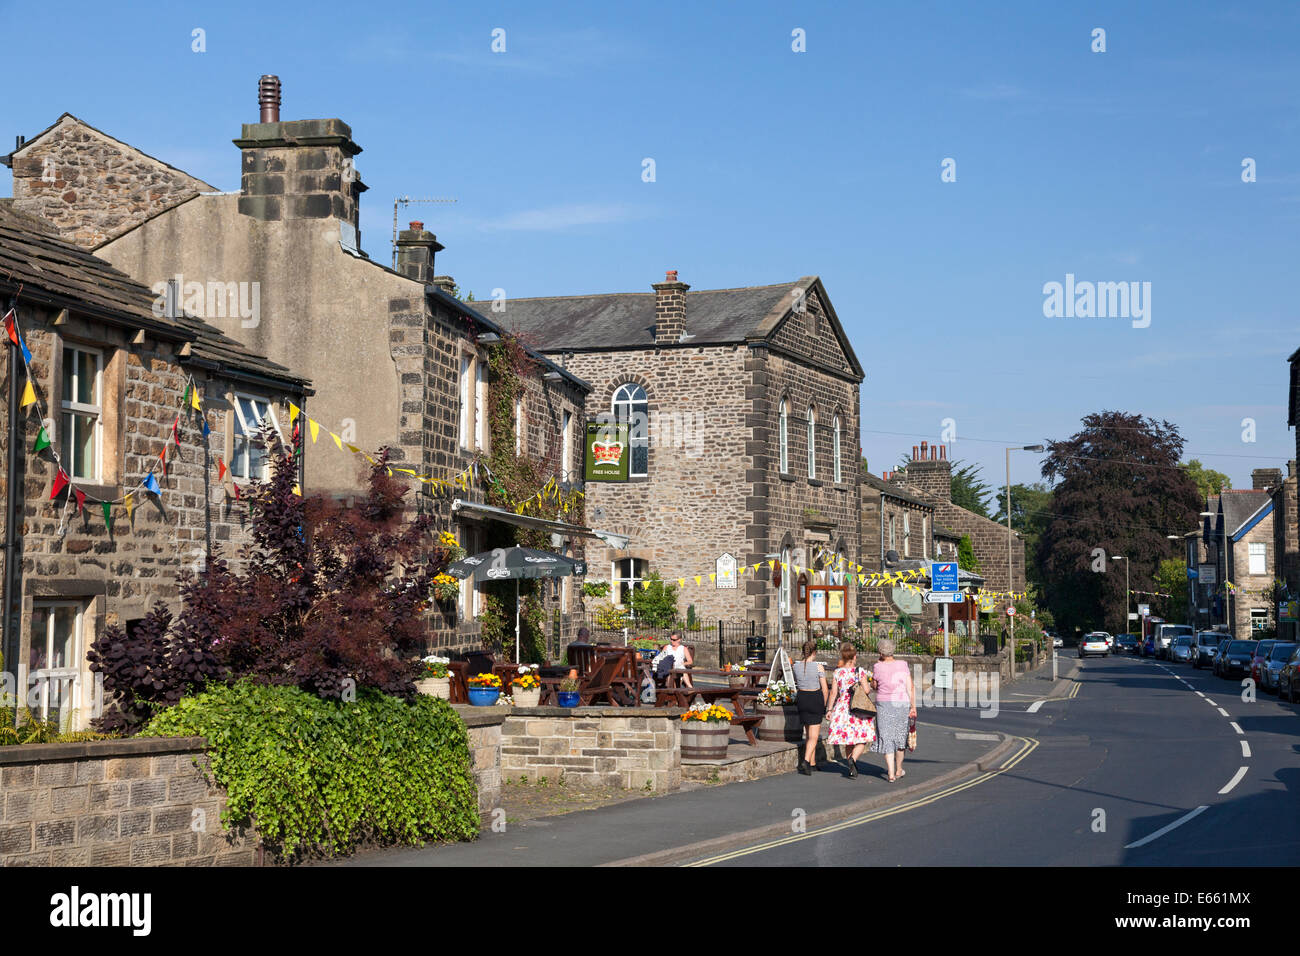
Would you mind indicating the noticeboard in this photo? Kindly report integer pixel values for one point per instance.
(826, 602)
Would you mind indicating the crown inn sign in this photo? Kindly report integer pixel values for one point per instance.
(607, 452)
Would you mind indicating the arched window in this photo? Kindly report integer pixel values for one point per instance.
(838, 475)
(783, 595)
(812, 442)
(784, 436)
(627, 577)
(632, 408)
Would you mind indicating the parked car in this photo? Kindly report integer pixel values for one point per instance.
(1057, 641)
(1181, 650)
(1289, 676)
(1224, 641)
(1095, 644)
(1165, 634)
(1206, 648)
(1149, 647)
(1234, 659)
(1127, 642)
(1258, 659)
(1272, 668)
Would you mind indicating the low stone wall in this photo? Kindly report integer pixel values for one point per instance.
(484, 728)
(632, 748)
(136, 802)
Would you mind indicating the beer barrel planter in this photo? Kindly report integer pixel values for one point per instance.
(780, 723)
(435, 687)
(705, 733)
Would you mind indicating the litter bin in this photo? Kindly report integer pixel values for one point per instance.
(990, 644)
(756, 647)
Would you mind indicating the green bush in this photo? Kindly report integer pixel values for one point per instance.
(320, 775)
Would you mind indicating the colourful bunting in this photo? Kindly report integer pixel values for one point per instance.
(293, 412)
(42, 441)
(81, 500)
(151, 484)
(60, 482)
(11, 327)
(314, 427)
(129, 501)
(108, 517)
(221, 468)
(194, 399)
(29, 394)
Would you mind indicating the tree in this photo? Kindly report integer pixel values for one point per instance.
(1208, 481)
(1171, 579)
(966, 559)
(1031, 506)
(1119, 490)
(655, 604)
(331, 600)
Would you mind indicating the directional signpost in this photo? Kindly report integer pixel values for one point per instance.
(943, 589)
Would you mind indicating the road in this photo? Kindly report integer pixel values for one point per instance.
(1147, 764)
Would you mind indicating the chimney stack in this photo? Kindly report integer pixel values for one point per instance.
(670, 309)
(416, 248)
(930, 473)
(1265, 479)
(299, 169)
(268, 98)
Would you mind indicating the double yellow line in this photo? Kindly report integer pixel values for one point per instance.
(1028, 746)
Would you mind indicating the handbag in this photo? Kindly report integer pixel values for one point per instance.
(861, 705)
(911, 734)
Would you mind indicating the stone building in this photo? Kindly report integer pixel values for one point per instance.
(114, 390)
(397, 361)
(743, 412)
(1286, 551)
(928, 476)
(1239, 544)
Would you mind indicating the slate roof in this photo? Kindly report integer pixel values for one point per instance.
(64, 276)
(895, 491)
(1239, 506)
(626, 320)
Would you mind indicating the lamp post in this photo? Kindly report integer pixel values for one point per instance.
(1010, 579)
(1120, 557)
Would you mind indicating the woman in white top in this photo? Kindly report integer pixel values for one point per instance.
(681, 654)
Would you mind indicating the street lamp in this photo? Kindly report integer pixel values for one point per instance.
(1037, 448)
(1120, 557)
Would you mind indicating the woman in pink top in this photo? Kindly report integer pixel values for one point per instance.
(895, 708)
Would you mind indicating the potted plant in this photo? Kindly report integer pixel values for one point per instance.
(568, 692)
(705, 731)
(445, 589)
(526, 689)
(736, 674)
(434, 678)
(484, 689)
(780, 716)
(646, 647)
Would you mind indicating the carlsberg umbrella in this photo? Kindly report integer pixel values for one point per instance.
(501, 564)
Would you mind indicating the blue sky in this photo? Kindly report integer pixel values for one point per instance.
(771, 164)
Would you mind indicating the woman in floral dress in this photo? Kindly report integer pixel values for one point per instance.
(845, 729)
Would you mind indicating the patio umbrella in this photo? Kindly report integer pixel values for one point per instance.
(502, 564)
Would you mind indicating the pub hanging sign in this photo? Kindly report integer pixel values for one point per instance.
(607, 452)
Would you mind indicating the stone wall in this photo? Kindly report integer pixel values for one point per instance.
(140, 802)
(634, 749)
(1249, 586)
(485, 753)
(1286, 541)
(92, 187)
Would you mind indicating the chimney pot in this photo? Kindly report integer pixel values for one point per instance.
(916, 453)
(268, 98)
(670, 276)
(417, 226)
(943, 452)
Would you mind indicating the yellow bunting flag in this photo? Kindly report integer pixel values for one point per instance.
(759, 565)
(681, 582)
(352, 448)
(293, 412)
(194, 398)
(315, 428)
(697, 579)
(29, 394)
(130, 507)
(772, 563)
(713, 576)
(337, 440)
(297, 491)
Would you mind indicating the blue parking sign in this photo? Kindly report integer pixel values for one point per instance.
(943, 576)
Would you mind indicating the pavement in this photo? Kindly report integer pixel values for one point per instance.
(663, 830)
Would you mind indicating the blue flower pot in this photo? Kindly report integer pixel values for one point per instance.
(568, 698)
(483, 696)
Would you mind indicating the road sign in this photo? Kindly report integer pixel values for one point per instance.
(943, 575)
(943, 673)
(944, 597)
(1144, 610)
(1132, 615)
(1208, 574)
(1011, 611)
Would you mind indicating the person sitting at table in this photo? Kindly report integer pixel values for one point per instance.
(681, 655)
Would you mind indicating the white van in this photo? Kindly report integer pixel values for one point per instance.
(1165, 634)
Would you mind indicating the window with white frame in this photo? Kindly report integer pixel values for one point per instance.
(783, 595)
(812, 442)
(480, 404)
(466, 399)
(1257, 558)
(519, 423)
(631, 407)
(248, 454)
(838, 476)
(566, 445)
(54, 658)
(627, 575)
(82, 410)
(783, 431)
(907, 537)
(892, 545)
